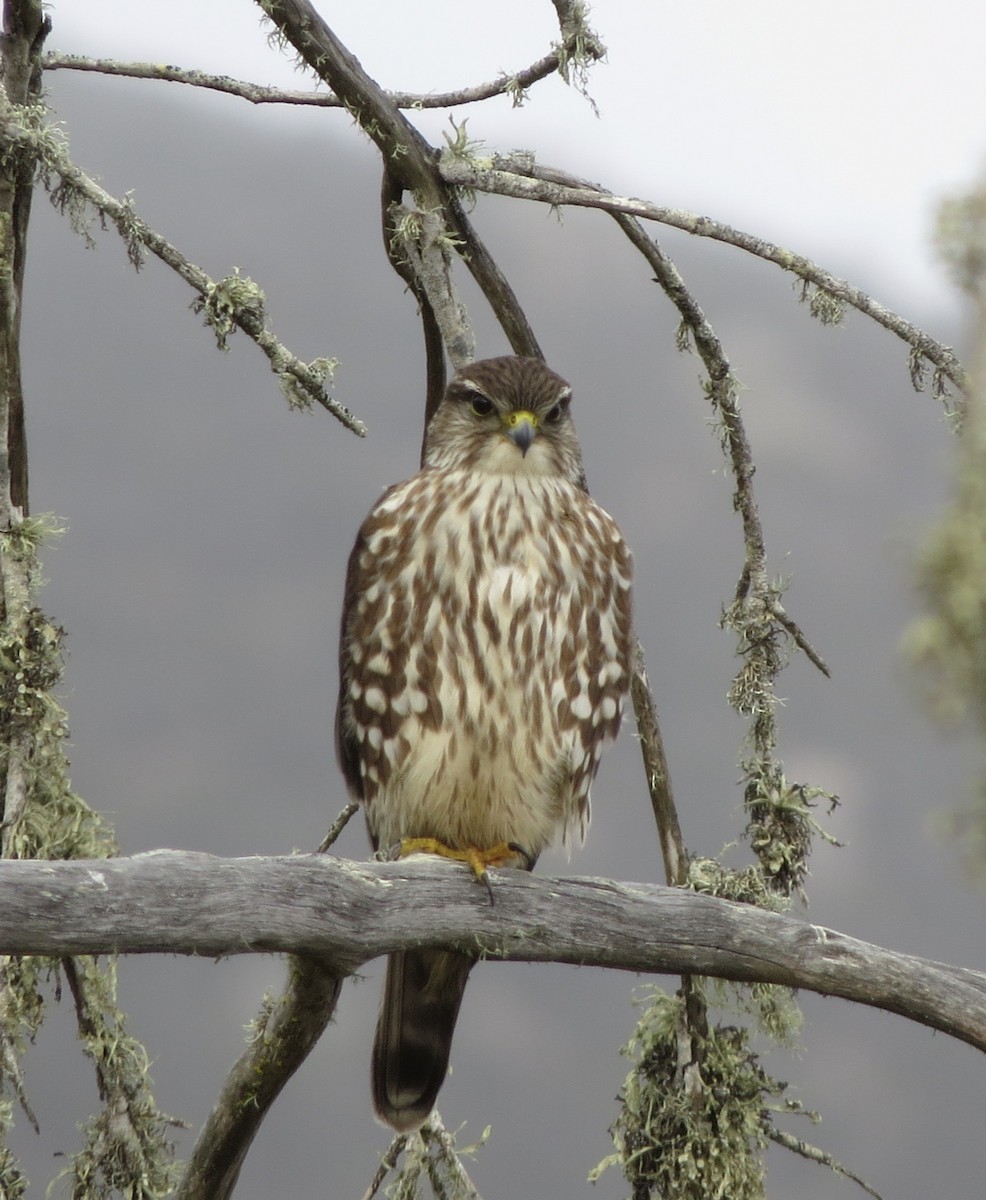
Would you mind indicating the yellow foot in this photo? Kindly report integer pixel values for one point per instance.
(501, 855)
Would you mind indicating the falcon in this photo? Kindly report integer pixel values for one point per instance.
(484, 659)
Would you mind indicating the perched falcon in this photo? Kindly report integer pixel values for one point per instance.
(484, 658)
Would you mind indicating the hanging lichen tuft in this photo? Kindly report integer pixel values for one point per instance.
(701, 1138)
(126, 1150)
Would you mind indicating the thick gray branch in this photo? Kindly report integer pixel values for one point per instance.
(408, 156)
(345, 913)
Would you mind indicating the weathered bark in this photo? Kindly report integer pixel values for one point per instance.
(282, 1043)
(24, 30)
(346, 913)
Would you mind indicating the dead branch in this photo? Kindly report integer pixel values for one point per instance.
(345, 913)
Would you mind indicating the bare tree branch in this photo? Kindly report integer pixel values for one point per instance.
(280, 1041)
(514, 85)
(346, 913)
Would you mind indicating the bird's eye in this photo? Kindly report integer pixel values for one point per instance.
(481, 406)
(553, 415)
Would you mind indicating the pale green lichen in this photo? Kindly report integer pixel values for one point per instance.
(519, 95)
(296, 391)
(233, 299)
(698, 1130)
(781, 825)
(746, 885)
(823, 305)
(125, 1150)
(579, 48)
(700, 1140)
(461, 148)
(13, 1183)
(432, 1157)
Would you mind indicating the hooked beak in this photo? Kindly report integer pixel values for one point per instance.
(521, 427)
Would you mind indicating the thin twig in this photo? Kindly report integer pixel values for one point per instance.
(387, 1164)
(514, 85)
(722, 394)
(797, 1146)
(799, 639)
(338, 825)
(656, 772)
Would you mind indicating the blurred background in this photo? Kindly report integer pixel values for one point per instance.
(201, 577)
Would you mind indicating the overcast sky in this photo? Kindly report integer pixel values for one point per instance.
(833, 128)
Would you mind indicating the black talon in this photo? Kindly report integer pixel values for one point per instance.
(529, 860)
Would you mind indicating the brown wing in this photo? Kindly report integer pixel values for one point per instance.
(347, 744)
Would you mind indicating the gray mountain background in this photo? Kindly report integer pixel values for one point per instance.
(201, 578)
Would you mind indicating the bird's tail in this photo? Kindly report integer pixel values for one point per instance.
(414, 1034)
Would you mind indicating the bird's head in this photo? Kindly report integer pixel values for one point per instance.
(506, 416)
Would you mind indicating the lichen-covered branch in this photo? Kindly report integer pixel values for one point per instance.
(519, 177)
(780, 823)
(421, 239)
(21, 998)
(684, 1061)
(126, 1151)
(235, 302)
(431, 1153)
